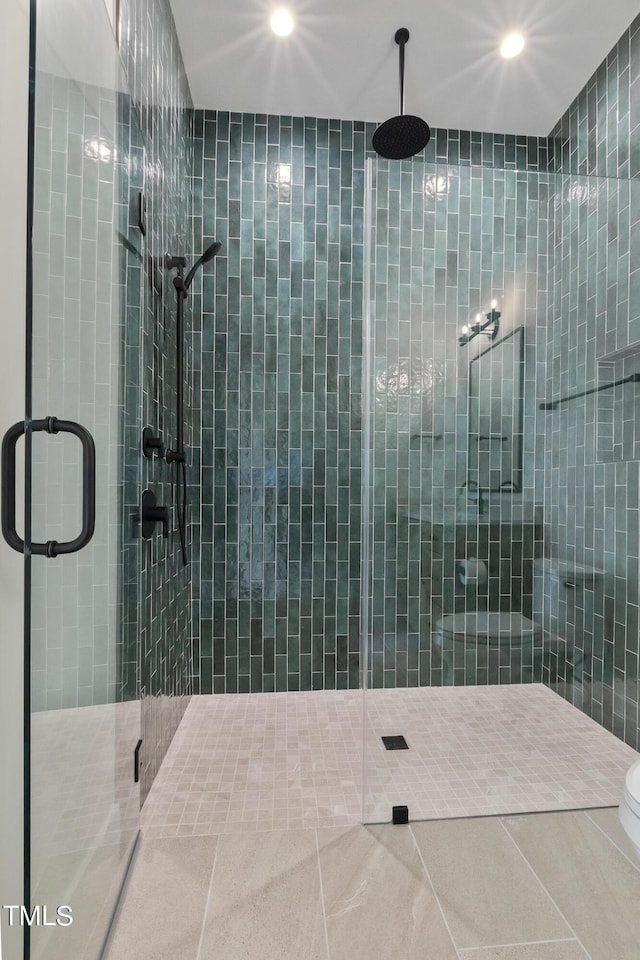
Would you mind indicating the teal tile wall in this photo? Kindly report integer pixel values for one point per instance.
(281, 348)
(446, 241)
(131, 155)
(498, 151)
(600, 132)
(592, 472)
(160, 116)
(281, 410)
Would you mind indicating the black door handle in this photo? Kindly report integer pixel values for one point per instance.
(8, 468)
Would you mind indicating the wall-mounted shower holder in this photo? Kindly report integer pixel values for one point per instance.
(151, 443)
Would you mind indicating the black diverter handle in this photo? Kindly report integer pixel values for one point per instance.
(52, 548)
(153, 513)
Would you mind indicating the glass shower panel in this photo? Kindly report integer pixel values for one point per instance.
(85, 715)
(457, 279)
(588, 586)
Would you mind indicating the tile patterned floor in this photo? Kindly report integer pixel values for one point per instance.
(250, 762)
(551, 886)
(260, 761)
(489, 750)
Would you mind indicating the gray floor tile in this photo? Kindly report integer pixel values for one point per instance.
(89, 882)
(487, 892)
(609, 822)
(378, 901)
(161, 916)
(595, 886)
(265, 899)
(559, 950)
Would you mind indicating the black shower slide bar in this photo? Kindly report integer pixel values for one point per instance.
(632, 378)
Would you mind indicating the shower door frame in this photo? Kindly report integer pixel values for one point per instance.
(102, 851)
(14, 109)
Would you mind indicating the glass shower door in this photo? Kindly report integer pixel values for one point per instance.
(84, 713)
(452, 530)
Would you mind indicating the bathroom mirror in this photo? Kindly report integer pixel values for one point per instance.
(495, 415)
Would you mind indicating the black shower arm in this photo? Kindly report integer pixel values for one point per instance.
(401, 37)
(401, 79)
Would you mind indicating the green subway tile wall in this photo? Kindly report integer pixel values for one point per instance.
(446, 241)
(281, 361)
(281, 349)
(592, 336)
(159, 118)
(600, 132)
(132, 165)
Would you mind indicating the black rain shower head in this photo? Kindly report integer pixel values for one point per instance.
(209, 254)
(403, 136)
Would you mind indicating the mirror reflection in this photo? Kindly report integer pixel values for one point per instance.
(495, 415)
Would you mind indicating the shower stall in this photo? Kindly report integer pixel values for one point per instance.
(404, 410)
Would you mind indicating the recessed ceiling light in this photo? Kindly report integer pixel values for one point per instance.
(281, 22)
(512, 45)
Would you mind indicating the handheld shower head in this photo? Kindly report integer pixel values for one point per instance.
(209, 254)
(212, 251)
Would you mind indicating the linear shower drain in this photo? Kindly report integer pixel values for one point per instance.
(395, 743)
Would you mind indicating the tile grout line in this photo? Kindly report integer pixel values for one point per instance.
(322, 901)
(523, 943)
(611, 840)
(208, 900)
(433, 889)
(512, 839)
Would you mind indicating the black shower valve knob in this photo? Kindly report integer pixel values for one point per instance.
(152, 514)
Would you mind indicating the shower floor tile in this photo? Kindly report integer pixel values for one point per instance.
(489, 750)
(243, 762)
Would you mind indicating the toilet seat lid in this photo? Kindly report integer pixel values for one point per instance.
(632, 788)
(490, 624)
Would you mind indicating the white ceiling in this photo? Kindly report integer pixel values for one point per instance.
(342, 61)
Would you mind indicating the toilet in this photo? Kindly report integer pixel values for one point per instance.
(485, 643)
(489, 646)
(629, 810)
